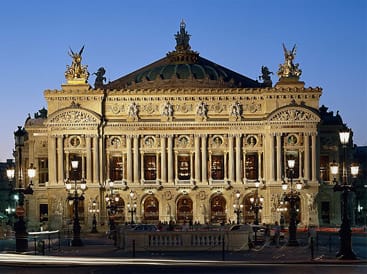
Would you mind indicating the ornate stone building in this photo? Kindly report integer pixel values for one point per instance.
(179, 138)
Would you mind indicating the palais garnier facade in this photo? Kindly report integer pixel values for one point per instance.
(181, 139)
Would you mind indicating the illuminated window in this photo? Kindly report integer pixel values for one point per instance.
(150, 167)
(116, 168)
(183, 167)
(251, 167)
(217, 168)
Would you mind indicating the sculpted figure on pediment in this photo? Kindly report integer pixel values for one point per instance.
(74, 117)
(294, 115)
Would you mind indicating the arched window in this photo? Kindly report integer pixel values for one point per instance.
(218, 209)
(184, 209)
(151, 210)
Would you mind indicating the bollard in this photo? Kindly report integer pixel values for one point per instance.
(312, 250)
(223, 257)
(133, 248)
(41, 247)
(35, 245)
(59, 237)
(329, 243)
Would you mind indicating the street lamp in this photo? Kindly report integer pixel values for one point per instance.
(74, 197)
(94, 210)
(237, 207)
(21, 240)
(131, 206)
(10, 210)
(292, 197)
(345, 232)
(112, 201)
(256, 203)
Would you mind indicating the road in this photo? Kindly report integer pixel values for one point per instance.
(14, 263)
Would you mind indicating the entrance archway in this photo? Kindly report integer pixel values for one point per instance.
(218, 209)
(184, 210)
(151, 210)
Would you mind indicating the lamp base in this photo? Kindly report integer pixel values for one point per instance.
(346, 255)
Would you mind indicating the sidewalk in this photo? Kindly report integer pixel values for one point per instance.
(97, 245)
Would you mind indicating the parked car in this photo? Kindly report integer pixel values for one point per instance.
(259, 229)
(253, 230)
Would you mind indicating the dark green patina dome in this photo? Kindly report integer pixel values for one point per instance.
(183, 68)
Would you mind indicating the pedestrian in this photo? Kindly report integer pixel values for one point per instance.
(276, 233)
(267, 235)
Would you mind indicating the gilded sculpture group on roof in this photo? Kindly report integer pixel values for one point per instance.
(76, 73)
(288, 69)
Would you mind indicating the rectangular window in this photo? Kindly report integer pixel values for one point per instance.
(43, 212)
(116, 168)
(183, 167)
(324, 168)
(325, 212)
(43, 171)
(217, 168)
(251, 167)
(150, 167)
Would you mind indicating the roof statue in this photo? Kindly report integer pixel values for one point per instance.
(76, 73)
(182, 38)
(99, 77)
(265, 76)
(183, 52)
(288, 69)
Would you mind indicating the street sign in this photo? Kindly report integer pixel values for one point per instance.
(19, 211)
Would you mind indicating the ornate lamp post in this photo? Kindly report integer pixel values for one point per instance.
(74, 197)
(237, 207)
(292, 196)
(10, 210)
(94, 210)
(345, 232)
(256, 203)
(112, 200)
(131, 206)
(21, 240)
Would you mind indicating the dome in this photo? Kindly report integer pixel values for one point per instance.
(183, 67)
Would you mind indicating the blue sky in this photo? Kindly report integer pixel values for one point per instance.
(122, 36)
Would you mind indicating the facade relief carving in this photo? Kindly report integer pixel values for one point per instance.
(73, 117)
(294, 115)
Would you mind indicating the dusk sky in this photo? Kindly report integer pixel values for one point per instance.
(122, 36)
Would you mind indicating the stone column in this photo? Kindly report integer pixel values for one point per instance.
(238, 158)
(314, 154)
(88, 147)
(60, 159)
(197, 158)
(129, 160)
(260, 165)
(307, 156)
(95, 160)
(52, 152)
(136, 159)
(271, 160)
(244, 165)
(279, 157)
(170, 159)
(230, 158)
(163, 159)
(204, 160)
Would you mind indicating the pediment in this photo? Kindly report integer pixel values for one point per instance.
(73, 117)
(294, 114)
